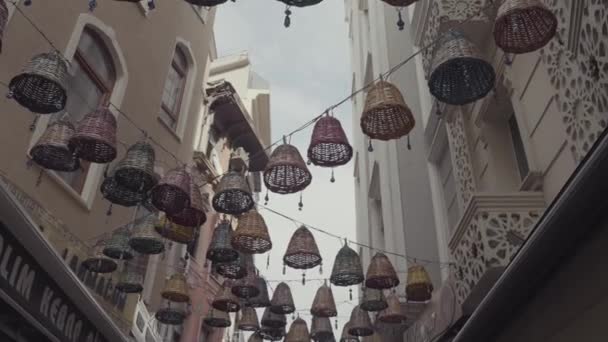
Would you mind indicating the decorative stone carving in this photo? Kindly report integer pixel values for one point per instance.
(461, 158)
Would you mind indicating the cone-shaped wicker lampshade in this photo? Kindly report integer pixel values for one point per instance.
(255, 337)
(171, 313)
(419, 287)
(360, 324)
(460, 75)
(217, 319)
(225, 300)
(385, 115)
(346, 336)
(324, 305)
(206, 3)
(273, 320)
(246, 287)
(524, 26)
(136, 170)
(176, 289)
(261, 300)
(194, 214)
(172, 194)
(373, 300)
(118, 194)
(392, 314)
(236, 269)
(130, 280)
(298, 331)
(251, 235)
(272, 334)
(52, 151)
(175, 232)
(286, 172)
(220, 249)
(302, 251)
(320, 329)
(117, 246)
(347, 268)
(232, 195)
(329, 145)
(40, 87)
(98, 262)
(95, 137)
(144, 238)
(380, 273)
(282, 301)
(249, 319)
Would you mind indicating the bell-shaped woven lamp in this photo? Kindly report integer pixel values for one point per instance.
(419, 287)
(524, 26)
(460, 75)
(175, 232)
(302, 251)
(298, 331)
(217, 319)
(225, 300)
(392, 314)
(136, 170)
(246, 287)
(286, 172)
(3, 20)
(261, 300)
(373, 300)
(117, 246)
(381, 273)
(360, 324)
(321, 330)
(249, 319)
(236, 269)
(171, 313)
(324, 305)
(272, 334)
(273, 320)
(282, 301)
(41, 85)
(172, 194)
(144, 239)
(176, 289)
(346, 336)
(95, 137)
(251, 234)
(347, 268)
(385, 115)
(118, 194)
(220, 249)
(194, 214)
(206, 3)
(329, 145)
(52, 152)
(232, 196)
(130, 280)
(97, 261)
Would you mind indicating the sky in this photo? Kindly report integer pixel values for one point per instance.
(308, 68)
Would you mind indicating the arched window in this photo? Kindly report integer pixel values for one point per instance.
(90, 85)
(173, 92)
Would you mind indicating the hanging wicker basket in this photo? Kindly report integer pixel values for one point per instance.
(347, 268)
(246, 287)
(385, 115)
(97, 262)
(261, 300)
(249, 320)
(298, 331)
(217, 319)
(380, 273)
(130, 280)
(324, 304)
(460, 75)
(360, 324)
(282, 301)
(206, 3)
(302, 251)
(232, 195)
(524, 26)
(321, 330)
(41, 85)
(221, 250)
(175, 232)
(286, 172)
(117, 246)
(136, 170)
(236, 269)
(329, 145)
(172, 194)
(176, 289)
(272, 334)
(194, 214)
(118, 194)
(419, 287)
(251, 235)
(273, 320)
(373, 300)
(52, 152)
(144, 238)
(225, 300)
(95, 137)
(346, 336)
(392, 314)
(171, 313)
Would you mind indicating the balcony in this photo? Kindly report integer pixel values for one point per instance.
(491, 230)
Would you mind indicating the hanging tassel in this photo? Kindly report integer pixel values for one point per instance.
(370, 148)
(293, 316)
(151, 5)
(321, 268)
(308, 162)
(287, 21)
(409, 146)
(400, 23)
(266, 198)
(336, 324)
(332, 179)
(39, 180)
(268, 261)
(303, 278)
(508, 60)
(34, 122)
(109, 212)
(92, 5)
(301, 204)
(283, 269)
(350, 293)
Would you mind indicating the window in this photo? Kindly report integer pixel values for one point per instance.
(448, 183)
(173, 91)
(518, 147)
(90, 82)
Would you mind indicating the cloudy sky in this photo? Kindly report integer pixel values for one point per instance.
(308, 68)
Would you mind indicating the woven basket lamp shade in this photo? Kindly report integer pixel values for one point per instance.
(52, 151)
(118, 194)
(175, 232)
(392, 314)
(246, 287)
(136, 170)
(251, 235)
(273, 320)
(381, 273)
(286, 172)
(144, 238)
(329, 145)
(524, 26)
(298, 331)
(324, 304)
(95, 137)
(302, 251)
(176, 289)
(171, 313)
(130, 280)
(419, 287)
(321, 330)
(249, 319)
(172, 194)
(347, 269)
(206, 3)
(373, 300)
(282, 301)
(385, 115)
(220, 249)
(217, 319)
(460, 75)
(272, 334)
(360, 324)
(232, 195)
(97, 262)
(117, 246)
(236, 269)
(225, 300)
(194, 214)
(346, 336)
(41, 85)
(261, 300)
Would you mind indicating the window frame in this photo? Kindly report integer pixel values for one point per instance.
(174, 113)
